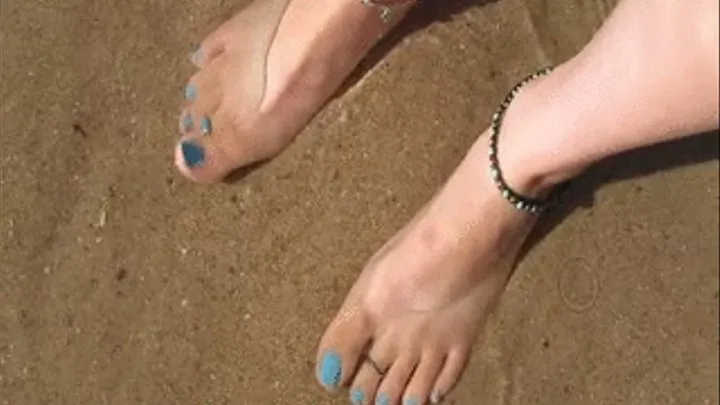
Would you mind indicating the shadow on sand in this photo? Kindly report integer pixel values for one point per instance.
(696, 149)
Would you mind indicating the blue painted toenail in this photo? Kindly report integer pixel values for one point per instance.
(196, 57)
(330, 369)
(187, 122)
(190, 92)
(206, 125)
(411, 401)
(193, 154)
(382, 399)
(357, 396)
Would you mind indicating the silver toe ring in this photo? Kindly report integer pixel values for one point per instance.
(381, 372)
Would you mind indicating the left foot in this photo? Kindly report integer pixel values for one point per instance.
(419, 304)
(264, 74)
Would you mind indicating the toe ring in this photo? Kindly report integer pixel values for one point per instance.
(381, 372)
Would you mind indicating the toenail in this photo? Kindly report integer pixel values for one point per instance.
(357, 396)
(411, 401)
(187, 122)
(190, 92)
(382, 399)
(330, 369)
(436, 398)
(196, 56)
(193, 154)
(206, 125)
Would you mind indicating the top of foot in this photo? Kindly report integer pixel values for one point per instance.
(263, 75)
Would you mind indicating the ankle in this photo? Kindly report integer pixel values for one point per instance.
(533, 154)
(378, 15)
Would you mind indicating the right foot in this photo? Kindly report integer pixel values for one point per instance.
(264, 74)
(406, 328)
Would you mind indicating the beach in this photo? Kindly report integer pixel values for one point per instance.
(123, 283)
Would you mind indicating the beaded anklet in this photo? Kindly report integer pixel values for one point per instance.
(522, 203)
(386, 11)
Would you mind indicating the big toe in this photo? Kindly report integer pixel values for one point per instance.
(341, 349)
(209, 153)
(199, 160)
(212, 144)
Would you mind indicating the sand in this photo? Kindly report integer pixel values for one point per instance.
(122, 283)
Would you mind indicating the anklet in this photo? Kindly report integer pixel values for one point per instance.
(386, 12)
(522, 203)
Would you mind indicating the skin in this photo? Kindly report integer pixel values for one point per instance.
(263, 75)
(648, 76)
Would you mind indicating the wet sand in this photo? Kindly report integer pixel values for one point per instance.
(124, 284)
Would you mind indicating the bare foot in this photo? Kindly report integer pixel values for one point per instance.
(420, 302)
(264, 74)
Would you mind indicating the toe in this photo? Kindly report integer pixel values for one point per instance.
(215, 144)
(358, 396)
(393, 385)
(369, 376)
(192, 155)
(205, 159)
(365, 385)
(202, 99)
(203, 91)
(211, 46)
(454, 365)
(420, 386)
(187, 121)
(341, 348)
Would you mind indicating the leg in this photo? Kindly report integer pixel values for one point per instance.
(265, 73)
(649, 75)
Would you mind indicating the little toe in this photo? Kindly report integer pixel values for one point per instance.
(448, 377)
(419, 388)
(341, 349)
(393, 384)
(211, 46)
